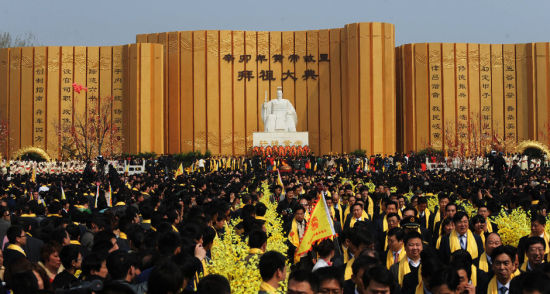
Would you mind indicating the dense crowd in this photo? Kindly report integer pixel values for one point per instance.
(401, 228)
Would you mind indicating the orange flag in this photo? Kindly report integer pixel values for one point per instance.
(318, 228)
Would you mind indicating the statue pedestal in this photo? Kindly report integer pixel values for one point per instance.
(262, 139)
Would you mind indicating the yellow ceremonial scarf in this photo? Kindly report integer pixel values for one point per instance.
(74, 242)
(349, 272)
(345, 252)
(489, 227)
(385, 223)
(255, 251)
(333, 214)
(427, 216)
(364, 217)
(437, 218)
(371, 207)
(390, 258)
(483, 262)
(175, 229)
(294, 236)
(493, 286)
(420, 286)
(471, 245)
(123, 236)
(473, 276)
(404, 269)
(17, 248)
(267, 288)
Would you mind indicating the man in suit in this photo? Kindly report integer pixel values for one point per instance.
(272, 270)
(450, 210)
(14, 250)
(483, 210)
(460, 238)
(33, 245)
(411, 262)
(538, 224)
(439, 212)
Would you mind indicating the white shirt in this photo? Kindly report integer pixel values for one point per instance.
(499, 285)
(413, 263)
(320, 264)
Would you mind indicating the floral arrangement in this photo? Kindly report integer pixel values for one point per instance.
(513, 226)
(230, 255)
(281, 151)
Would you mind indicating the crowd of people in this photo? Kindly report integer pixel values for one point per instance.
(72, 231)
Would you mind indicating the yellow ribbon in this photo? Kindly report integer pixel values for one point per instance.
(390, 258)
(471, 245)
(17, 248)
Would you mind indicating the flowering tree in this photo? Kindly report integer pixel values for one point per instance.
(92, 134)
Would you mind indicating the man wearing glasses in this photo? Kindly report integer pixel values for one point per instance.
(14, 250)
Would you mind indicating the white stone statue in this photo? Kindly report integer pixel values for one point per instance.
(279, 115)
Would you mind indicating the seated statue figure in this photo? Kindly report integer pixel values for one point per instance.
(279, 115)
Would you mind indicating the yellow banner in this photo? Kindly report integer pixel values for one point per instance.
(319, 227)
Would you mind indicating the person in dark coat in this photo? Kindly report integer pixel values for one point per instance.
(463, 236)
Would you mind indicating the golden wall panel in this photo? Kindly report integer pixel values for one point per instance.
(492, 94)
(41, 107)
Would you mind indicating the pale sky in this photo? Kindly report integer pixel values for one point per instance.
(103, 22)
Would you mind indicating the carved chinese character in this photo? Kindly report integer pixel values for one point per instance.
(323, 58)
(289, 74)
(245, 58)
(277, 58)
(228, 57)
(435, 86)
(309, 58)
(293, 58)
(245, 75)
(260, 58)
(309, 73)
(266, 75)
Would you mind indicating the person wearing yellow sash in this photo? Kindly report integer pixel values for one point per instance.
(460, 238)
(358, 214)
(484, 263)
(538, 224)
(439, 211)
(350, 202)
(382, 220)
(297, 227)
(411, 262)
(504, 267)
(365, 196)
(272, 267)
(17, 239)
(479, 227)
(393, 221)
(395, 251)
(483, 210)
(535, 254)
(423, 212)
(450, 210)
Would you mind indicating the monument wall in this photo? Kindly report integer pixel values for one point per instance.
(37, 97)
(467, 95)
(341, 82)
